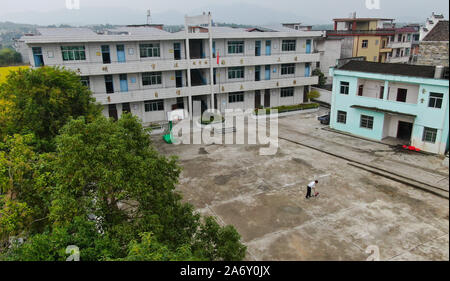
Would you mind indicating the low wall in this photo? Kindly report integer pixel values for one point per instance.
(325, 95)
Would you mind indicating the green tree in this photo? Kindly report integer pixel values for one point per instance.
(113, 195)
(9, 57)
(322, 78)
(24, 196)
(42, 101)
(314, 94)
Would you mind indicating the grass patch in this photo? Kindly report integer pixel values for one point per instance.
(289, 108)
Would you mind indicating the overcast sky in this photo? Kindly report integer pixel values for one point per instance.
(317, 11)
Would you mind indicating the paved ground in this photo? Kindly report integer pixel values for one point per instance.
(263, 196)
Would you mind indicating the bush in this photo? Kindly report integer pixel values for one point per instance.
(313, 95)
(287, 108)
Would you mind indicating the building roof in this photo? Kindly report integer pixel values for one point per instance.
(406, 29)
(361, 19)
(69, 31)
(136, 30)
(439, 32)
(423, 71)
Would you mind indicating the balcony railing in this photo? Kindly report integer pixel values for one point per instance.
(149, 65)
(161, 93)
(383, 32)
(395, 45)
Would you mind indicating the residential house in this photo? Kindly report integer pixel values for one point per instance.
(392, 102)
(433, 49)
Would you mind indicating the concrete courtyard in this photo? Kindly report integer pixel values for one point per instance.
(264, 196)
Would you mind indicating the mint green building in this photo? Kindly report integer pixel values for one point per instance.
(399, 103)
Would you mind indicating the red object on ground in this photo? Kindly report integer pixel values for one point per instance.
(412, 148)
(417, 149)
(405, 146)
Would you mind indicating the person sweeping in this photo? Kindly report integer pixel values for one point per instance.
(310, 187)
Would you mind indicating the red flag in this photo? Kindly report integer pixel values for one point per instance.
(217, 57)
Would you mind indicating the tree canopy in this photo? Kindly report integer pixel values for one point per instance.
(9, 57)
(100, 185)
(322, 77)
(40, 101)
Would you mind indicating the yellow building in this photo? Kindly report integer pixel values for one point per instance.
(364, 37)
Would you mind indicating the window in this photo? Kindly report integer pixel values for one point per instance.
(429, 135)
(344, 87)
(366, 122)
(149, 50)
(85, 81)
(399, 38)
(435, 100)
(365, 43)
(376, 42)
(236, 72)
(409, 37)
(381, 92)
(180, 103)
(73, 53)
(151, 78)
(154, 105)
(236, 97)
(288, 45)
(235, 47)
(287, 69)
(287, 92)
(407, 52)
(341, 117)
(401, 94)
(106, 54)
(360, 90)
(126, 107)
(109, 84)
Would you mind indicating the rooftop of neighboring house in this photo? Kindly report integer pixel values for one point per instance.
(407, 29)
(410, 70)
(439, 32)
(351, 19)
(437, 16)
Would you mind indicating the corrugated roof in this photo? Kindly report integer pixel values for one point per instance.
(439, 32)
(401, 69)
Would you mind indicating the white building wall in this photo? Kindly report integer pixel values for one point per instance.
(52, 55)
(330, 52)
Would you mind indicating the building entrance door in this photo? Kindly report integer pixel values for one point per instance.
(257, 99)
(267, 98)
(404, 130)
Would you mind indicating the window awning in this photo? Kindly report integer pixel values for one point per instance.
(382, 110)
